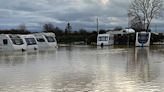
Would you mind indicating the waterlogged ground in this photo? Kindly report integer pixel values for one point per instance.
(83, 69)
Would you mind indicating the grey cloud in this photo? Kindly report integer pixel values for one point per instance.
(81, 13)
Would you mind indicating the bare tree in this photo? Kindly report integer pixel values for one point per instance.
(144, 11)
(68, 28)
(136, 24)
(22, 27)
(48, 27)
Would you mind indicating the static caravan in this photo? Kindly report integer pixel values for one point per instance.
(30, 42)
(143, 39)
(10, 42)
(46, 40)
(105, 39)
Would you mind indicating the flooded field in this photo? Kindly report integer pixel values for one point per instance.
(83, 69)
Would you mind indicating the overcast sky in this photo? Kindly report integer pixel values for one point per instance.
(80, 13)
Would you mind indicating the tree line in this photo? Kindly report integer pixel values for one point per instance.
(82, 36)
(67, 36)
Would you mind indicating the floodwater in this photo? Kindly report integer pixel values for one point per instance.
(83, 69)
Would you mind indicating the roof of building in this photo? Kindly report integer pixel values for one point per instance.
(124, 31)
(129, 30)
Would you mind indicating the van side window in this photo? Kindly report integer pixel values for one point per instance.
(30, 41)
(40, 40)
(50, 38)
(16, 40)
(5, 41)
(103, 38)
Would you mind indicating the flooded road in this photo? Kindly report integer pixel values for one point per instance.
(83, 69)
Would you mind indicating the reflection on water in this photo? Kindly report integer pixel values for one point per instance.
(138, 67)
(83, 69)
(143, 66)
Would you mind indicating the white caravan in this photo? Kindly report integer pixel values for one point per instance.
(30, 42)
(46, 40)
(105, 39)
(143, 39)
(10, 42)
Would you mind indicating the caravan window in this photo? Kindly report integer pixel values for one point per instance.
(16, 40)
(30, 41)
(50, 38)
(109, 38)
(143, 38)
(103, 38)
(5, 41)
(40, 40)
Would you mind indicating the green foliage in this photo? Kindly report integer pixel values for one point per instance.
(78, 36)
(69, 37)
(14, 31)
(157, 38)
(101, 31)
(92, 38)
(20, 30)
(48, 27)
(117, 28)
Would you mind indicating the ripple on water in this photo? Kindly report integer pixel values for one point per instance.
(76, 69)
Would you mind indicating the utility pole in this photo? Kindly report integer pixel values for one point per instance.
(97, 26)
(155, 27)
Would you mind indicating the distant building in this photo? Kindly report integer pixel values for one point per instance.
(124, 36)
(116, 37)
(121, 32)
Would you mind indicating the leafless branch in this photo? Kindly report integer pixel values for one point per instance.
(145, 11)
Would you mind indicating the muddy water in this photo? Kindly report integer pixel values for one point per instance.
(83, 69)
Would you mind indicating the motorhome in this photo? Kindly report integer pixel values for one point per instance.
(46, 40)
(143, 39)
(30, 42)
(105, 39)
(9, 42)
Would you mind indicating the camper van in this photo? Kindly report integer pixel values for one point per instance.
(30, 42)
(105, 39)
(143, 39)
(46, 40)
(10, 42)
